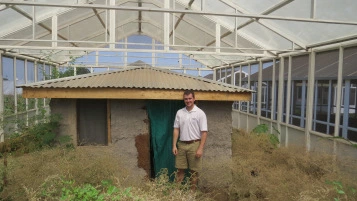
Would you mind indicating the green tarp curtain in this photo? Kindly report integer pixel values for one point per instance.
(162, 115)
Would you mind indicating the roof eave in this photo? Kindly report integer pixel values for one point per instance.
(131, 93)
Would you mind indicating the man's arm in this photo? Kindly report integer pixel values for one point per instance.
(199, 151)
(174, 140)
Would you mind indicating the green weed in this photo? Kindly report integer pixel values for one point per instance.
(341, 190)
(263, 129)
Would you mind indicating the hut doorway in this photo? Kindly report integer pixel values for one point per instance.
(162, 115)
(92, 122)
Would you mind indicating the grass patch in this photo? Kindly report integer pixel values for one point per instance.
(265, 172)
(259, 171)
(84, 173)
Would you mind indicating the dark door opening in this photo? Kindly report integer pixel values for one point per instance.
(92, 122)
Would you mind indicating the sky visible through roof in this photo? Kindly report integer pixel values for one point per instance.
(111, 59)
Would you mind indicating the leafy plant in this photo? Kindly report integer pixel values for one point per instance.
(341, 190)
(263, 129)
(86, 192)
(70, 70)
(39, 132)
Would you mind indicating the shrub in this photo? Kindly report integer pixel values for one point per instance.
(38, 134)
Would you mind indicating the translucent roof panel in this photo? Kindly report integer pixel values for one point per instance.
(245, 29)
(312, 33)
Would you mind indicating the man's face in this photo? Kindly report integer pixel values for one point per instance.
(189, 100)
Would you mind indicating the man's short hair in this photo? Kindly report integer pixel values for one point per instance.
(188, 92)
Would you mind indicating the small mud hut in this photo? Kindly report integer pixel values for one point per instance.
(132, 111)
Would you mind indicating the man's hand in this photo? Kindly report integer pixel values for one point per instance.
(199, 153)
(174, 150)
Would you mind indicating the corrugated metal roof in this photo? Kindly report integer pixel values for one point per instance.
(138, 78)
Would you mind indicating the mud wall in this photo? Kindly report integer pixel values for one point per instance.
(66, 108)
(130, 135)
(218, 149)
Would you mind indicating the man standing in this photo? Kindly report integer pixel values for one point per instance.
(191, 125)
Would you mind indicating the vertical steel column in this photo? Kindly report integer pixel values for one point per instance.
(2, 134)
(240, 102)
(292, 101)
(316, 86)
(26, 100)
(236, 30)
(329, 105)
(96, 60)
(126, 53)
(260, 82)
(288, 93)
(218, 37)
(346, 107)
(219, 75)
(214, 73)
(180, 61)
(248, 103)
(106, 22)
(54, 30)
(36, 77)
(313, 9)
(273, 93)
(14, 85)
(338, 99)
(153, 54)
(225, 75)
(240, 85)
(166, 26)
(44, 78)
(233, 76)
(15, 93)
(74, 69)
(280, 95)
(288, 102)
(173, 22)
(112, 26)
(310, 99)
(266, 98)
(33, 22)
(339, 92)
(303, 104)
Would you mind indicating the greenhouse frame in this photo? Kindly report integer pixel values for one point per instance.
(299, 56)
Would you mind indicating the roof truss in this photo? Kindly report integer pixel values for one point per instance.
(223, 46)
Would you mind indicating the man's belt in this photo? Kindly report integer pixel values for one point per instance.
(191, 141)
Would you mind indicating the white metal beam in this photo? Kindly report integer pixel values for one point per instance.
(112, 26)
(166, 26)
(260, 92)
(25, 23)
(277, 30)
(218, 37)
(54, 30)
(2, 137)
(339, 92)
(160, 10)
(280, 95)
(89, 49)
